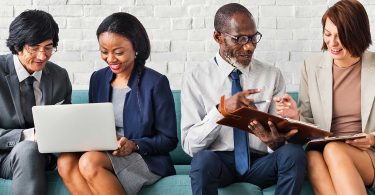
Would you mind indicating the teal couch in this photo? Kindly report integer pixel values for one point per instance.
(178, 184)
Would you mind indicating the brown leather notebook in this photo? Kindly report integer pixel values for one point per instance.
(241, 117)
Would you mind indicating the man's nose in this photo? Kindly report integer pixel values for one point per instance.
(41, 55)
(249, 46)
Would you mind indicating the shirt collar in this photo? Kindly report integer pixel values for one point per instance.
(227, 68)
(22, 73)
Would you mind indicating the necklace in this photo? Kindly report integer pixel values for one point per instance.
(348, 66)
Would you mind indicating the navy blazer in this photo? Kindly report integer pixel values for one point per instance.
(149, 114)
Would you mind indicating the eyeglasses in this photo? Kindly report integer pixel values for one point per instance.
(243, 39)
(33, 50)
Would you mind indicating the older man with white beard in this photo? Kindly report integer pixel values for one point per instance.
(224, 155)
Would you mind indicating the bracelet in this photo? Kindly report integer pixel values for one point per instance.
(222, 106)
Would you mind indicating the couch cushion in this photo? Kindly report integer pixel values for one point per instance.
(294, 95)
(182, 169)
(80, 97)
(306, 189)
(179, 157)
(5, 187)
(180, 185)
(55, 185)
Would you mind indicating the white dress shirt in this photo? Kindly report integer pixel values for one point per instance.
(22, 74)
(202, 88)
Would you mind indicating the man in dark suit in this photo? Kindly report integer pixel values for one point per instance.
(27, 78)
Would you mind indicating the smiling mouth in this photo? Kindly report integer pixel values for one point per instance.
(39, 62)
(245, 56)
(114, 66)
(336, 51)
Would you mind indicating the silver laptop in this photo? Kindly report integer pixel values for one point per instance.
(75, 127)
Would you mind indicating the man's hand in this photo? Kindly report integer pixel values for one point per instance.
(125, 147)
(240, 99)
(286, 107)
(363, 143)
(272, 138)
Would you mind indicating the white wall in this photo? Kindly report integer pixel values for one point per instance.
(180, 32)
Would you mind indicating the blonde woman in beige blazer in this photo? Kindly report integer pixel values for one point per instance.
(337, 93)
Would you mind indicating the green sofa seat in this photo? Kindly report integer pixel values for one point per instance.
(178, 184)
(55, 185)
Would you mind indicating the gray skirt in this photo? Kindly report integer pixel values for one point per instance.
(132, 172)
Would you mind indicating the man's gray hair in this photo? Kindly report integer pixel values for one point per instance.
(224, 14)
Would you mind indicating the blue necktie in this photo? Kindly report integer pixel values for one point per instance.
(241, 139)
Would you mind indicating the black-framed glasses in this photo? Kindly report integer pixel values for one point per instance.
(243, 39)
(33, 50)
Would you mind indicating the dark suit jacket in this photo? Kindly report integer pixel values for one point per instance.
(55, 86)
(149, 115)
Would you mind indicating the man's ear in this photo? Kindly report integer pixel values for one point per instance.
(218, 38)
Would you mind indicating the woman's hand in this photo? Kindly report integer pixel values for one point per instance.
(363, 143)
(286, 107)
(125, 147)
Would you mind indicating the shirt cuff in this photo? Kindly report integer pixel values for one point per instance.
(269, 150)
(209, 121)
(28, 134)
(214, 114)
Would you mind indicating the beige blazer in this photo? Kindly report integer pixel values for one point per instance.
(315, 99)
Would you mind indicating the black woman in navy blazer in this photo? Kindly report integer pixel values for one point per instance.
(144, 114)
(150, 119)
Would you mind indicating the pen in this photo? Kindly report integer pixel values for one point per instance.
(261, 101)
